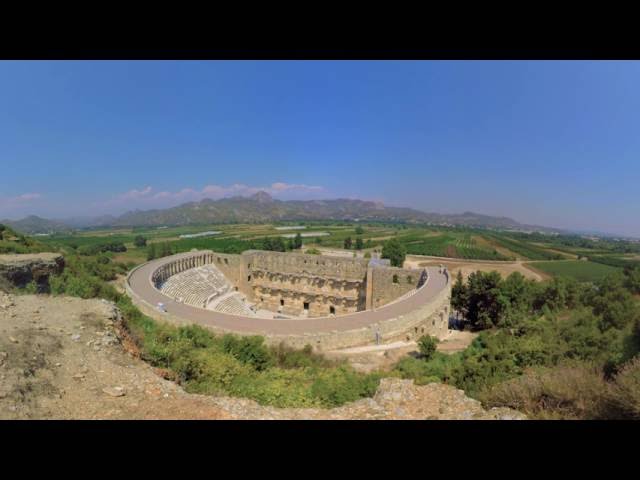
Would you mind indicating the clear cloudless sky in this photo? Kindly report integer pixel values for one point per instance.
(550, 143)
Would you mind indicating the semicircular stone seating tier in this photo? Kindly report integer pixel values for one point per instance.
(197, 286)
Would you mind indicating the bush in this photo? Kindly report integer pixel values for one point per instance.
(209, 371)
(427, 346)
(287, 357)
(625, 393)
(140, 241)
(340, 385)
(32, 287)
(439, 369)
(568, 392)
(249, 350)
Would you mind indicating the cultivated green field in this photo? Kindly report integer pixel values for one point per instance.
(552, 254)
(583, 271)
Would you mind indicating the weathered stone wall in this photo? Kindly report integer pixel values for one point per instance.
(390, 283)
(229, 264)
(344, 268)
(299, 284)
(21, 269)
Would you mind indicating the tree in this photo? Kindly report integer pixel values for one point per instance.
(275, 244)
(359, 243)
(347, 243)
(614, 303)
(140, 241)
(359, 230)
(151, 251)
(633, 279)
(459, 294)
(485, 302)
(297, 243)
(394, 251)
(427, 346)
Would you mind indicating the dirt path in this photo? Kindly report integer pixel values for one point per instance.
(466, 267)
(385, 356)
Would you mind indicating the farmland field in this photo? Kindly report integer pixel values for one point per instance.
(583, 271)
(550, 255)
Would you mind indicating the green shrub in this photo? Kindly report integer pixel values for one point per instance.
(340, 385)
(210, 372)
(250, 350)
(427, 346)
(290, 358)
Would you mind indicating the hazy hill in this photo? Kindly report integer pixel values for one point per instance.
(33, 224)
(261, 208)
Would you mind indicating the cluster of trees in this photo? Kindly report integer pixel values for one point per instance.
(140, 241)
(358, 244)
(159, 250)
(295, 243)
(96, 248)
(274, 244)
(555, 349)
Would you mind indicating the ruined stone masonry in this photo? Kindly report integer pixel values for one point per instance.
(298, 299)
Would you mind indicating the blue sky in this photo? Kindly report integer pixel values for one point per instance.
(551, 143)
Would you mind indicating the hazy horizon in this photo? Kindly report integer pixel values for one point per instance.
(545, 143)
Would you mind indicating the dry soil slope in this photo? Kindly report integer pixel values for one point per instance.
(62, 358)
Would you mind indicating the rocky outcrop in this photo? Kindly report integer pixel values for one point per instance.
(395, 399)
(20, 269)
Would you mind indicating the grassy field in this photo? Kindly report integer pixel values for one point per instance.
(582, 271)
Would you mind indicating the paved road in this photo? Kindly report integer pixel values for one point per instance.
(140, 282)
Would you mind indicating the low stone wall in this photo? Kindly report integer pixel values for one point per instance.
(425, 258)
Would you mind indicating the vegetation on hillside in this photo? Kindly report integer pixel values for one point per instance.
(557, 349)
(13, 242)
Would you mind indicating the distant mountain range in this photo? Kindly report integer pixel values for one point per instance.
(261, 208)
